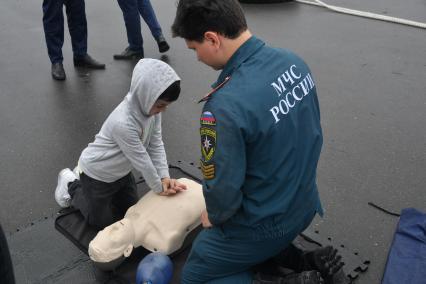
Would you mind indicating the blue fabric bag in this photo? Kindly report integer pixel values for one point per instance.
(407, 258)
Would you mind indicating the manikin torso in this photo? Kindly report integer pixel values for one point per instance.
(158, 223)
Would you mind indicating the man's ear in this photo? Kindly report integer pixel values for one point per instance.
(128, 251)
(212, 38)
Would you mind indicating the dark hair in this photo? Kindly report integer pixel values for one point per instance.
(195, 17)
(172, 92)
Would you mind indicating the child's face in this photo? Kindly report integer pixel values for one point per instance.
(159, 106)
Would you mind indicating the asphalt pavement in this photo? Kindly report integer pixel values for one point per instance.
(371, 81)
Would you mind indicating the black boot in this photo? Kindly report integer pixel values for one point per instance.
(129, 54)
(291, 257)
(163, 46)
(88, 62)
(58, 72)
(338, 277)
(324, 259)
(328, 263)
(305, 277)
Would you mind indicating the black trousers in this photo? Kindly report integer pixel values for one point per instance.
(103, 203)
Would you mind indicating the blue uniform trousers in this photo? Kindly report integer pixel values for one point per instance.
(53, 23)
(131, 10)
(216, 258)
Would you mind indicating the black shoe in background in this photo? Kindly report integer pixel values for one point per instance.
(58, 72)
(88, 62)
(163, 46)
(129, 54)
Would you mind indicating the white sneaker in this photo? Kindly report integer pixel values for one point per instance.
(62, 196)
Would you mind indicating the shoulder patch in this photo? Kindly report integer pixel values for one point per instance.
(208, 143)
(207, 118)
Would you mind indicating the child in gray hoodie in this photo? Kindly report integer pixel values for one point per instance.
(102, 186)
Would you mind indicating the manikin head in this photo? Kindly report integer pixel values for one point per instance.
(214, 29)
(113, 242)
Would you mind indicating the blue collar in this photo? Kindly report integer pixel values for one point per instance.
(242, 54)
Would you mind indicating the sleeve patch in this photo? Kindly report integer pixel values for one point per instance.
(208, 170)
(208, 143)
(207, 118)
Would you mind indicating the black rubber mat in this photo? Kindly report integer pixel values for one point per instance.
(354, 263)
(71, 224)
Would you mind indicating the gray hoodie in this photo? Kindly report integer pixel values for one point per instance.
(129, 138)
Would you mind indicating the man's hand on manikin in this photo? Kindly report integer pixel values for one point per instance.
(205, 220)
(171, 186)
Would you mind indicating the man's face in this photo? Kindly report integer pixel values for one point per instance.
(159, 106)
(206, 52)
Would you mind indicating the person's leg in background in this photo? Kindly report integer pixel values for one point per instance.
(133, 28)
(148, 14)
(6, 268)
(53, 24)
(77, 24)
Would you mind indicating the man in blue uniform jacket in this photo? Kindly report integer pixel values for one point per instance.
(261, 140)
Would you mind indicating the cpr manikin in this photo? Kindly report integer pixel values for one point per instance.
(157, 223)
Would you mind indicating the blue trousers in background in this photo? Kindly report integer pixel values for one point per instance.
(216, 258)
(131, 11)
(53, 23)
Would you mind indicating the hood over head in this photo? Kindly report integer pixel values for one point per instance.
(151, 77)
